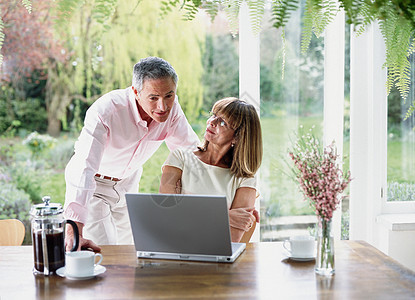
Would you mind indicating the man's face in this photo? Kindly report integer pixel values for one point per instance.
(156, 99)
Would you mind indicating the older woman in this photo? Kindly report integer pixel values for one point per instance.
(225, 164)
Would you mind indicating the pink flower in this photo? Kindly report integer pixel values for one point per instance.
(319, 174)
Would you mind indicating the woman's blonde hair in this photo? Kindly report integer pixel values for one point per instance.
(244, 159)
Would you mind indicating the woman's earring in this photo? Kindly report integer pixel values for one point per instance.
(232, 145)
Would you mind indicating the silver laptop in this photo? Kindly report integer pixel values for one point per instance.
(182, 227)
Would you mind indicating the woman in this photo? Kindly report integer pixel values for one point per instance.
(225, 164)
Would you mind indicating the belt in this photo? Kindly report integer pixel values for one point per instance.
(107, 177)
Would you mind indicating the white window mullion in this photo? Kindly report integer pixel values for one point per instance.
(334, 93)
(249, 72)
(367, 131)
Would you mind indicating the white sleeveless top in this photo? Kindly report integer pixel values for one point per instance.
(201, 178)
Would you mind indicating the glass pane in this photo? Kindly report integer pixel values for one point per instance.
(401, 145)
(286, 104)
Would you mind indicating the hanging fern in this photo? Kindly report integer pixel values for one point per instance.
(167, 6)
(231, 8)
(317, 16)
(65, 9)
(397, 33)
(211, 7)
(281, 11)
(353, 10)
(364, 19)
(103, 10)
(307, 31)
(284, 48)
(190, 10)
(325, 16)
(410, 111)
(28, 5)
(1, 39)
(256, 13)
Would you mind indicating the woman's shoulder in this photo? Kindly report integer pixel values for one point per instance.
(184, 152)
(247, 181)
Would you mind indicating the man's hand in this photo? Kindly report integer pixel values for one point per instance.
(83, 243)
(243, 218)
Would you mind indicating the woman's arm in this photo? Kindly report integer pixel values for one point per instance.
(170, 182)
(241, 214)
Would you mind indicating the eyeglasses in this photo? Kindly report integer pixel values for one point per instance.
(221, 122)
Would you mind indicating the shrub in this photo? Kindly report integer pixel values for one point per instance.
(345, 225)
(401, 191)
(27, 176)
(14, 113)
(37, 143)
(15, 204)
(60, 155)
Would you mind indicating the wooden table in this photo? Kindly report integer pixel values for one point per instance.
(262, 272)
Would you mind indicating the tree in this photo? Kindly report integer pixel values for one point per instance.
(221, 74)
(29, 47)
(29, 44)
(29, 40)
(95, 56)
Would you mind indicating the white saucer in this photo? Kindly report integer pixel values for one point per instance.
(97, 270)
(308, 258)
(298, 258)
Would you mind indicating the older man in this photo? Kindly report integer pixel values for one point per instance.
(122, 130)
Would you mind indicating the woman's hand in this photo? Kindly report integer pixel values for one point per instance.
(243, 217)
(170, 182)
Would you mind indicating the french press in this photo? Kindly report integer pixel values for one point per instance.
(48, 236)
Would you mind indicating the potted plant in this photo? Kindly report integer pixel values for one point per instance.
(318, 172)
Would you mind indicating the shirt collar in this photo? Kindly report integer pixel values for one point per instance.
(134, 108)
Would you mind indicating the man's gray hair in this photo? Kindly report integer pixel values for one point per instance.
(152, 68)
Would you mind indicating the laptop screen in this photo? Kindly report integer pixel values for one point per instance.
(177, 223)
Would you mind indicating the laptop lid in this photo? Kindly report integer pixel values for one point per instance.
(185, 227)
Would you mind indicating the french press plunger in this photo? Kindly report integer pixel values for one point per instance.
(48, 236)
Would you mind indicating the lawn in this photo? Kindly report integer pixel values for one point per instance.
(279, 194)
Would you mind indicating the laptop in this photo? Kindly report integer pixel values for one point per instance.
(182, 227)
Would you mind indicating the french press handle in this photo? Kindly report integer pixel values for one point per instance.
(75, 234)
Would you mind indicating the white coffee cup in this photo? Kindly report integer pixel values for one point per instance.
(300, 246)
(81, 263)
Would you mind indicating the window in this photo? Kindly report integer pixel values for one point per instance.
(286, 104)
(401, 148)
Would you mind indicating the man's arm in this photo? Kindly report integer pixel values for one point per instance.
(83, 243)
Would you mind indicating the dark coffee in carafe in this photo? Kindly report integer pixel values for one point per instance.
(55, 251)
(48, 237)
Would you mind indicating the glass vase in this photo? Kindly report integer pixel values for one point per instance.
(325, 248)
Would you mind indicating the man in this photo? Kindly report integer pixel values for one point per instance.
(122, 129)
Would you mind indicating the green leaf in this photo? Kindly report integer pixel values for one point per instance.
(1, 39)
(103, 11)
(256, 13)
(281, 11)
(212, 8)
(231, 8)
(317, 16)
(28, 5)
(65, 10)
(190, 11)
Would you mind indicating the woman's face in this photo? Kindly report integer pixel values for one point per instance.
(219, 132)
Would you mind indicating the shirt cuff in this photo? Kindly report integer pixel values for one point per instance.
(76, 212)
